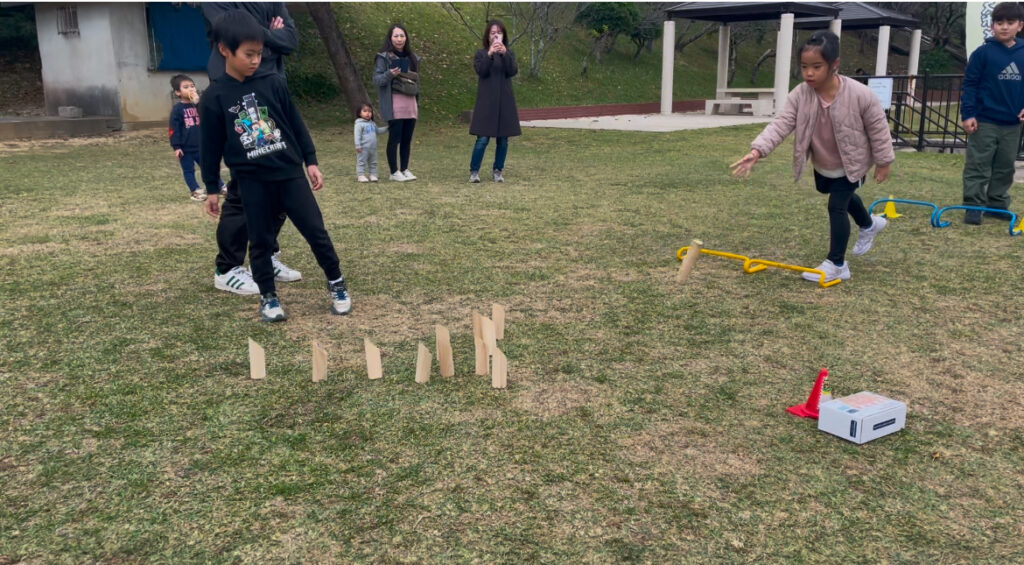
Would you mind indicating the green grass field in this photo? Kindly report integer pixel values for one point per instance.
(644, 420)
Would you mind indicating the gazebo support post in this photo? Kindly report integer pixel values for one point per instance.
(882, 57)
(722, 79)
(783, 56)
(668, 54)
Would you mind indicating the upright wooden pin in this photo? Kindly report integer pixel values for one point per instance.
(499, 370)
(374, 369)
(257, 361)
(443, 343)
(691, 257)
(489, 334)
(498, 315)
(423, 359)
(319, 362)
(478, 343)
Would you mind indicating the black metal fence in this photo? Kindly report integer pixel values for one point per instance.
(925, 112)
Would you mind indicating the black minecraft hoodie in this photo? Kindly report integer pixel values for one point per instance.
(255, 127)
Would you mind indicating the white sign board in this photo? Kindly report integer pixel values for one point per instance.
(977, 24)
(882, 87)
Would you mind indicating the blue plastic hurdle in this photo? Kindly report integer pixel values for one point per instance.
(1014, 228)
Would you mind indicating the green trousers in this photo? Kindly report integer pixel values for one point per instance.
(988, 172)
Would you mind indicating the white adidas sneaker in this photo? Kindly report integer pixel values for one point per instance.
(283, 273)
(237, 280)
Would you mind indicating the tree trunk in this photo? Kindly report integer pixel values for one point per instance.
(757, 66)
(348, 78)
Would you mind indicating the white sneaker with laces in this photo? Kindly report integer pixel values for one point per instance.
(831, 272)
(237, 280)
(408, 175)
(283, 273)
(866, 237)
(398, 176)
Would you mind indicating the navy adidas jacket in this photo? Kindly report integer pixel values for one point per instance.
(993, 91)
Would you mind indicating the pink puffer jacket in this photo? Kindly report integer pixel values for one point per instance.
(862, 130)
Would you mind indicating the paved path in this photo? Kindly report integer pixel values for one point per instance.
(647, 122)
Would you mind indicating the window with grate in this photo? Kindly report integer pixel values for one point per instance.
(67, 20)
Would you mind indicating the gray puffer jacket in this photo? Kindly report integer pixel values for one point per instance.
(860, 124)
(382, 78)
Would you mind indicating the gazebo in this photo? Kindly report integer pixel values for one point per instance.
(803, 15)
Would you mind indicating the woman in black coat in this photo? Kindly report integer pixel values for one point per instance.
(494, 114)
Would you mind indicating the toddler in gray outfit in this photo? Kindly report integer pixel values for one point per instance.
(366, 132)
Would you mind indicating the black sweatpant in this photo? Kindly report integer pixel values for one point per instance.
(232, 235)
(263, 202)
(842, 200)
(400, 139)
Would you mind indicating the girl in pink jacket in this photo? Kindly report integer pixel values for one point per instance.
(841, 126)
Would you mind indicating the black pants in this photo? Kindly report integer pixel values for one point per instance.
(842, 200)
(232, 235)
(400, 139)
(263, 203)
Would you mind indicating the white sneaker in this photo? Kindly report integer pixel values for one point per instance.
(271, 309)
(408, 175)
(866, 237)
(831, 272)
(373, 178)
(237, 280)
(282, 273)
(362, 178)
(398, 176)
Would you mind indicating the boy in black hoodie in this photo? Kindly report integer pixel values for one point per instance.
(992, 108)
(252, 123)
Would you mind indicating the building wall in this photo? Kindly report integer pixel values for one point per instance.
(144, 95)
(78, 70)
(105, 69)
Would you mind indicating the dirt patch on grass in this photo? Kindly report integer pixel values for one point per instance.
(58, 143)
(551, 399)
(684, 446)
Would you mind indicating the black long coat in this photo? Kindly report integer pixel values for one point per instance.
(495, 114)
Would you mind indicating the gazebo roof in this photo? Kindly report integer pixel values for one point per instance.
(727, 12)
(860, 15)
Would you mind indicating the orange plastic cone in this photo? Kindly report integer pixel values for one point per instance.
(809, 409)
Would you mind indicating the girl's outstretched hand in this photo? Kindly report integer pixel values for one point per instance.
(745, 165)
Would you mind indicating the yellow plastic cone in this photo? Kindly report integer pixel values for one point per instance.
(890, 209)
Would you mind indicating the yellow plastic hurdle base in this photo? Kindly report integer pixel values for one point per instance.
(756, 265)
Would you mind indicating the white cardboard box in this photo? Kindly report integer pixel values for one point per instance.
(862, 417)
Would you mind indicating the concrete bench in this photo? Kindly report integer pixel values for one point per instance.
(757, 107)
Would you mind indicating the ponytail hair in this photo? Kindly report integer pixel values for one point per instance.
(825, 42)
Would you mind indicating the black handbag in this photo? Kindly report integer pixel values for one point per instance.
(406, 83)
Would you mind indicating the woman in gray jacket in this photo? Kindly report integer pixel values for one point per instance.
(400, 110)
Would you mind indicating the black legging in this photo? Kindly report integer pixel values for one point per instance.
(400, 137)
(842, 200)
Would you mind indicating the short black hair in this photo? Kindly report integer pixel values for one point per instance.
(827, 42)
(1007, 12)
(235, 27)
(176, 81)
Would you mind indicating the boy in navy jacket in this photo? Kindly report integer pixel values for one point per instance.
(992, 108)
(183, 130)
(252, 123)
